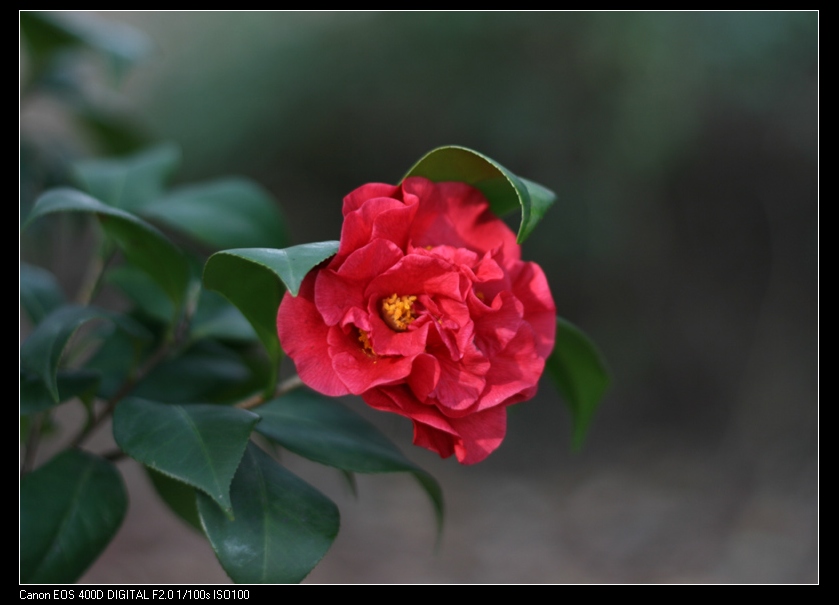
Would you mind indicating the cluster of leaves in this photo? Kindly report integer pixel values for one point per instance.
(178, 375)
(188, 374)
(64, 54)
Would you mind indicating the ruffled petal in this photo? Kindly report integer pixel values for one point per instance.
(303, 336)
(359, 369)
(466, 329)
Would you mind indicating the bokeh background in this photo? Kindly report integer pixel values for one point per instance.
(684, 151)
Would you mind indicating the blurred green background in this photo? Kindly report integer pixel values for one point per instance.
(684, 151)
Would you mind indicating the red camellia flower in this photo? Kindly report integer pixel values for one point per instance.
(428, 311)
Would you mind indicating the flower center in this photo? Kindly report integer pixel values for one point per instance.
(364, 339)
(398, 311)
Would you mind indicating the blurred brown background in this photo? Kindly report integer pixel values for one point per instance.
(684, 151)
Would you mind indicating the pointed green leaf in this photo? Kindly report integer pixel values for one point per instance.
(504, 190)
(40, 354)
(70, 508)
(349, 478)
(113, 128)
(290, 265)
(215, 317)
(117, 358)
(228, 213)
(206, 372)
(198, 444)
(253, 279)
(178, 496)
(143, 291)
(40, 293)
(36, 397)
(579, 373)
(131, 182)
(321, 429)
(282, 527)
(142, 244)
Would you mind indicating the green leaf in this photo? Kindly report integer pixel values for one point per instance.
(143, 291)
(142, 244)
(228, 213)
(215, 317)
(323, 430)
(178, 496)
(117, 358)
(198, 444)
(44, 34)
(41, 352)
(206, 372)
(36, 397)
(131, 182)
(579, 373)
(40, 293)
(70, 508)
(282, 527)
(291, 265)
(253, 279)
(48, 32)
(504, 190)
(114, 129)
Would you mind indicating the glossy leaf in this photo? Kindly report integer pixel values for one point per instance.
(143, 291)
(206, 372)
(131, 182)
(178, 496)
(142, 244)
(40, 293)
(282, 526)
(70, 508)
(36, 397)
(215, 317)
(117, 358)
(41, 352)
(291, 265)
(504, 190)
(228, 213)
(579, 373)
(198, 444)
(254, 280)
(323, 430)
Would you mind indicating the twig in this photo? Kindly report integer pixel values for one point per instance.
(124, 390)
(113, 455)
(289, 384)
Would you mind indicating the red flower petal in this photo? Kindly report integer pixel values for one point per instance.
(467, 335)
(303, 336)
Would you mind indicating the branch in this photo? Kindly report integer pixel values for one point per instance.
(124, 390)
(284, 387)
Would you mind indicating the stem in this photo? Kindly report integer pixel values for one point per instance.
(124, 390)
(113, 455)
(289, 384)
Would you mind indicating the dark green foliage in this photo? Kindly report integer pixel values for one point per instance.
(70, 508)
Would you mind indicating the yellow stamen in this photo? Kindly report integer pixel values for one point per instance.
(398, 311)
(364, 339)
